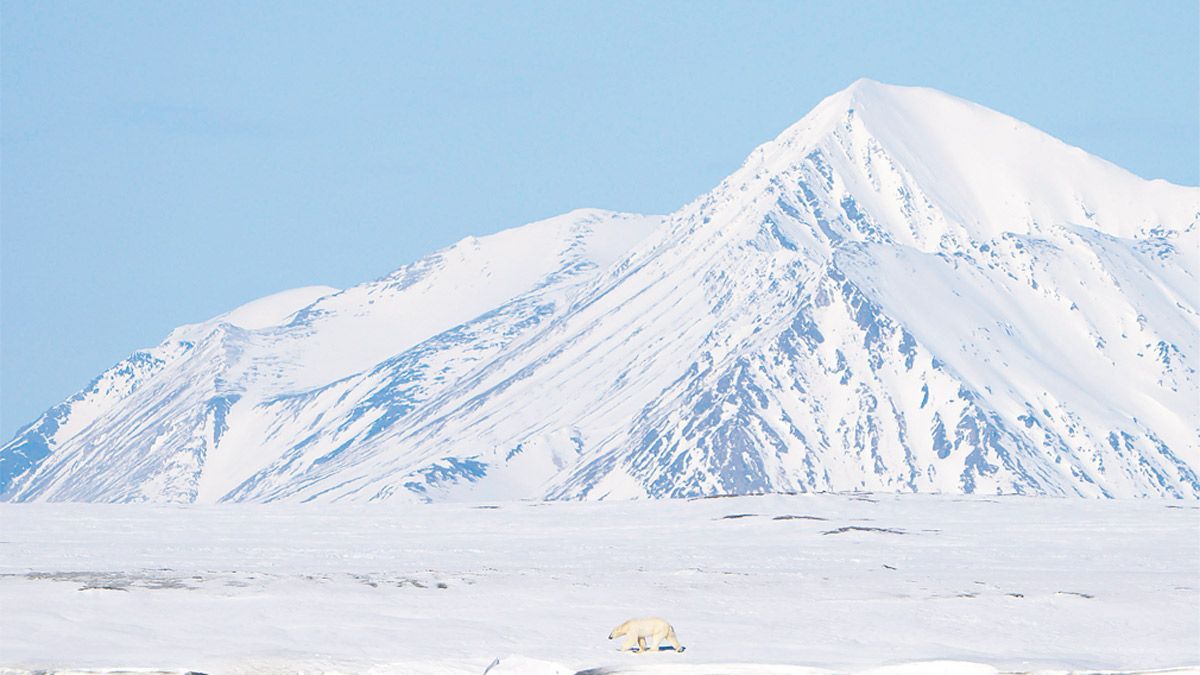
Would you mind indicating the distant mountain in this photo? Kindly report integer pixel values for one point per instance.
(904, 291)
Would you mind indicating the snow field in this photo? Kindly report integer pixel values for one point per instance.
(777, 583)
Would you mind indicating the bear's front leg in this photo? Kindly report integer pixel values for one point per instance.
(641, 645)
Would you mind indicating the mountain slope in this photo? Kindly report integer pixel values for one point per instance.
(190, 419)
(903, 291)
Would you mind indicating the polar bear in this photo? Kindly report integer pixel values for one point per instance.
(639, 630)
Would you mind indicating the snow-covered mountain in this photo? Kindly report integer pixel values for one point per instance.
(904, 291)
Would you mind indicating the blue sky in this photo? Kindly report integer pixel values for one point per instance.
(161, 163)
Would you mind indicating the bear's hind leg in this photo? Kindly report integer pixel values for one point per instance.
(655, 641)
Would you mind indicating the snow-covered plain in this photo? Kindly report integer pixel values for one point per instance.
(816, 582)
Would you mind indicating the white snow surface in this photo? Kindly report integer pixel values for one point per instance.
(897, 584)
(274, 309)
(904, 291)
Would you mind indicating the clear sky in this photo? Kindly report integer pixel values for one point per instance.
(161, 163)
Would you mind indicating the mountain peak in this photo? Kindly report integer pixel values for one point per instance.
(975, 165)
(865, 88)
